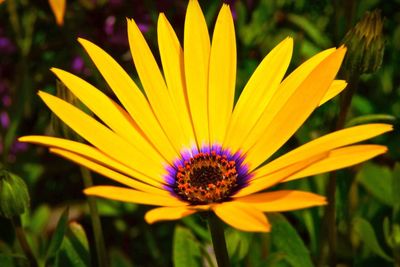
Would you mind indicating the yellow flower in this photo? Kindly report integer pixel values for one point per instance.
(185, 146)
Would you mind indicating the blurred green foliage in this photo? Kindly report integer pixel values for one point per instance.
(368, 198)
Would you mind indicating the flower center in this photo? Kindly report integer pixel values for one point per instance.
(206, 177)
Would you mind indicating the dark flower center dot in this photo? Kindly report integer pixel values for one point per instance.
(206, 178)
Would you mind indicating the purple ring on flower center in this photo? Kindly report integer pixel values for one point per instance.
(211, 174)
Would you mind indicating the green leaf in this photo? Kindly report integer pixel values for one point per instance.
(378, 181)
(11, 259)
(58, 235)
(108, 208)
(309, 218)
(39, 219)
(78, 236)
(396, 236)
(118, 259)
(386, 232)
(75, 248)
(191, 223)
(395, 192)
(370, 118)
(286, 240)
(310, 28)
(362, 105)
(366, 233)
(186, 249)
(276, 259)
(238, 243)
(8, 258)
(31, 172)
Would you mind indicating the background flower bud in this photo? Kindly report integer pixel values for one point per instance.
(14, 196)
(365, 44)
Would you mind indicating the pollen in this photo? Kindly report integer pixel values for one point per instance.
(206, 177)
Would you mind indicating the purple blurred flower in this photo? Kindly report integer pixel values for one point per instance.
(109, 25)
(143, 27)
(115, 3)
(18, 147)
(4, 120)
(6, 46)
(77, 64)
(6, 100)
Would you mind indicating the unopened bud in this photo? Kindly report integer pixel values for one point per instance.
(365, 44)
(14, 196)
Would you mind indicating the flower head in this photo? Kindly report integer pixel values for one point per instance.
(184, 146)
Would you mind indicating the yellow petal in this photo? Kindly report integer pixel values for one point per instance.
(336, 87)
(281, 119)
(281, 95)
(92, 154)
(106, 109)
(257, 93)
(222, 75)
(325, 143)
(196, 58)
(155, 87)
(131, 98)
(340, 158)
(116, 176)
(133, 196)
(171, 55)
(58, 8)
(102, 137)
(264, 182)
(167, 214)
(242, 217)
(283, 200)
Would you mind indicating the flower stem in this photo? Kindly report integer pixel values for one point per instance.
(330, 211)
(20, 233)
(96, 223)
(218, 239)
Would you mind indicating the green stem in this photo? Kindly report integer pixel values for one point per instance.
(14, 21)
(218, 239)
(346, 100)
(330, 211)
(20, 233)
(330, 219)
(96, 223)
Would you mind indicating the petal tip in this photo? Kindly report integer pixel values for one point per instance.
(56, 71)
(342, 49)
(384, 149)
(161, 16)
(148, 219)
(85, 43)
(288, 43)
(42, 94)
(225, 5)
(384, 127)
(193, 4)
(81, 40)
(88, 191)
(21, 139)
